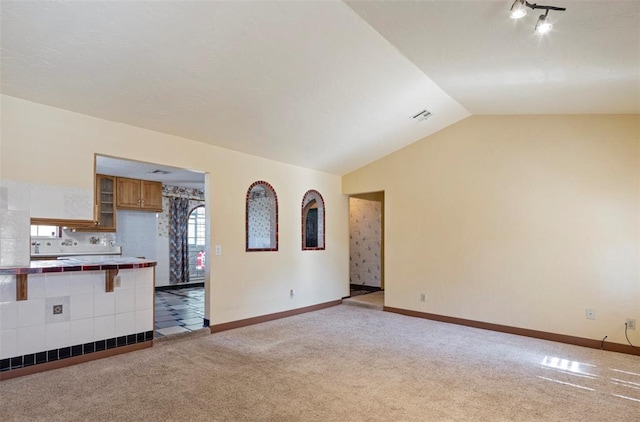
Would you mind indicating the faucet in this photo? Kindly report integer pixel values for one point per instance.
(67, 242)
(37, 247)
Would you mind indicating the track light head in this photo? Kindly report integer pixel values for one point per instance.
(543, 25)
(518, 10)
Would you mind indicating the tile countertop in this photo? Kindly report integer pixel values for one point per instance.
(84, 263)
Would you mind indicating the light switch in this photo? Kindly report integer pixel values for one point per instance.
(218, 249)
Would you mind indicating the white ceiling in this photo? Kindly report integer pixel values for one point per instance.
(147, 171)
(589, 64)
(326, 85)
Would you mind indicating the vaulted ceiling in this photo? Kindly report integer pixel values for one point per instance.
(328, 85)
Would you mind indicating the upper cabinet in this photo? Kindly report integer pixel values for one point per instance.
(134, 194)
(105, 202)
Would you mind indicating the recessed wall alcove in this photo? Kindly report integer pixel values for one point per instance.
(261, 218)
(313, 221)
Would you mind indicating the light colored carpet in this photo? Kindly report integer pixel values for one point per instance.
(373, 300)
(339, 364)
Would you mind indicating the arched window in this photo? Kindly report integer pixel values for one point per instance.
(262, 218)
(313, 221)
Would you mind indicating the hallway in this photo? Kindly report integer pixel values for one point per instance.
(178, 310)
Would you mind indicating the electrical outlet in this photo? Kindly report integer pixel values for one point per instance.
(423, 297)
(591, 313)
(117, 281)
(631, 324)
(292, 293)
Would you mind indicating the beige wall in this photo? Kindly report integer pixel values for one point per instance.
(41, 144)
(524, 221)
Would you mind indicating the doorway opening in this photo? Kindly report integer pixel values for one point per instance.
(366, 246)
(178, 221)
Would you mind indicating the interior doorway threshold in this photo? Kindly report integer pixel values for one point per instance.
(371, 300)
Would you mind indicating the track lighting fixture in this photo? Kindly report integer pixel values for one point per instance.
(519, 10)
(543, 25)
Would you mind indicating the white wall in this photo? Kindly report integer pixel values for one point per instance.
(523, 221)
(162, 257)
(37, 139)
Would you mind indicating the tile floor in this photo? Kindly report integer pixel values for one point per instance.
(179, 311)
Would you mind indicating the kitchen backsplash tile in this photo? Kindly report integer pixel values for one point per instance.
(4, 198)
(125, 300)
(8, 343)
(18, 195)
(14, 252)
(31, 339)
(144, 320)
(104, 326)
(60, 202)
(7, 288)
(14, 227)
(8, 315)
(57, 284)
(31, 312)
(81, 331)
(58, 309)
(36, 286)
(144, 298)
(57, 335)
(83, 283)
(14, 224)
(81, 306)
(124, 322)
(104, 304)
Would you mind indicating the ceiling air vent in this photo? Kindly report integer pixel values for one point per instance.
(423, 115)
(159, 172)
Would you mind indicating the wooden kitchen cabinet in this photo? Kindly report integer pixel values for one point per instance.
(135, 194)
(105, 203)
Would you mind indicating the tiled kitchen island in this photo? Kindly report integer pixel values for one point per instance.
(60, 312)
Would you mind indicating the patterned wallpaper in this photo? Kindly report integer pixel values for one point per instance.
(261, 220)
(169, 190)
(196, 198)
(365, 222)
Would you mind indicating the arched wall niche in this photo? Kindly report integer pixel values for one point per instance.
(261, 218)
(313, 221)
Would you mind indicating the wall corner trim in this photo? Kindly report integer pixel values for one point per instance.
(270, 317)
(560, 338)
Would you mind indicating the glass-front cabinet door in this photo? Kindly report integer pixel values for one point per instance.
(105, 202)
